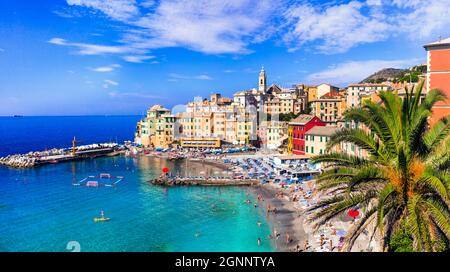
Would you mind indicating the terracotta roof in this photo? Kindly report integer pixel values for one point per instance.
(322, 131)
(302, 119)
(331, 95)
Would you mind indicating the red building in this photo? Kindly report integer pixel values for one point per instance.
(296, 132)
(438, 76)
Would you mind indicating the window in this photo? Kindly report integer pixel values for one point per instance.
(306, 148)
(312, 149)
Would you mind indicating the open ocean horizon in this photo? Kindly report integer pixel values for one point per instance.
(40, 209)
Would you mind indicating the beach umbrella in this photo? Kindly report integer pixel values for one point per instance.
(165, 170)
(353, 213)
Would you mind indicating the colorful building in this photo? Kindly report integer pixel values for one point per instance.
(271, 134)
(438, 76)
(296, 132)
(157, 129)
(317, 138)
(358, 92)
(330, 107)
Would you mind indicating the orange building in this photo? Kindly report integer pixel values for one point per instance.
(438, 76)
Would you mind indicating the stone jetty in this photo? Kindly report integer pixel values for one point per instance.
(32, 159)
(18, 161)
(164, 181)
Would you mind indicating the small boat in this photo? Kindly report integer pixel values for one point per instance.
(101, 219)
(53, 161)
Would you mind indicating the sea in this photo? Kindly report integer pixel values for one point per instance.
(42, 211)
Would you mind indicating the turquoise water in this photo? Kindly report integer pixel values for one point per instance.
(40, 210)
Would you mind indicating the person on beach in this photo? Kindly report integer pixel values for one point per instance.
(276, 234)
(288, 238)
(306, 246)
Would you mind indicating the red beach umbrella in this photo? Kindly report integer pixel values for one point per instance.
(165, 170)
(353, 213)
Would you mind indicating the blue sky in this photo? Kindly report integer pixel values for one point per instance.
(81, 57)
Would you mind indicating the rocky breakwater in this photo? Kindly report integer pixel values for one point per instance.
(164, 181)
(18, 161)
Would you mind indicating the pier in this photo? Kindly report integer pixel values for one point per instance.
(206, 181)
(54, 156)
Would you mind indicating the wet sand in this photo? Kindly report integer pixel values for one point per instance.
(287, 219)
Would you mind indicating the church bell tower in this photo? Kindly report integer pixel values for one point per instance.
(262, 81)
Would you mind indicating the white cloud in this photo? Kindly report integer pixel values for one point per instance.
(423, 19)
(111, 82)
(116, 9)
(337, 28)
(203, 77)
(176, 77)
(92, 49)
(230, 26)
(106, 69)
(137, 59)
(108, 83)
(355, 71)
(147, 3)
(212, 27)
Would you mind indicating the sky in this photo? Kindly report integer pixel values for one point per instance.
(89, 57)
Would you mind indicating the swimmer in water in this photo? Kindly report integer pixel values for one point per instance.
(259, 241)
(259, 224)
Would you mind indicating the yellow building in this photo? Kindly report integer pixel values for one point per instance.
(276, 134)
(157, 129)
(285, 100)
(329, 107)
(316, 139)
(290, 146)
(246, 131)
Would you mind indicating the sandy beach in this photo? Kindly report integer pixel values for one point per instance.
(287, 220)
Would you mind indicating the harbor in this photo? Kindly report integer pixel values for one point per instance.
(53, 156)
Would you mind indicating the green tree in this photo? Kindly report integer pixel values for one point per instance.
(405, 178)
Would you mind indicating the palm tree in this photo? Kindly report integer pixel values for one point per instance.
(405, 180)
